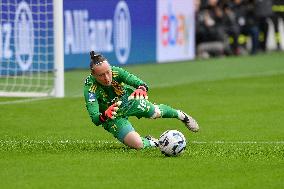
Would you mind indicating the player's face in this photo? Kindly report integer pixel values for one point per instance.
(103, 73)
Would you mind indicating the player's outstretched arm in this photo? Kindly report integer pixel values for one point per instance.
(92, 104)
(128, 78)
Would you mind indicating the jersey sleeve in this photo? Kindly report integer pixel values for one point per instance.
(91, 101)
(128, 78)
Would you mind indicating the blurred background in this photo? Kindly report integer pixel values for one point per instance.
(126, 32)
(236, 27)
(132, 32)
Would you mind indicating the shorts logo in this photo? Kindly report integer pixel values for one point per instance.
(92, 97)
(24, 36)
(122, 32)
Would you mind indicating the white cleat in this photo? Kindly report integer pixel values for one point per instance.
(153, 141)
(189, 122)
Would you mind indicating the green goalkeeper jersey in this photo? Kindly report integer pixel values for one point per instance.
(98, 97)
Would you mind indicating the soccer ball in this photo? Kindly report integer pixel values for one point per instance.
(172, 143)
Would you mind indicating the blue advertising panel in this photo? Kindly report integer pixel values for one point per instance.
(123, 31)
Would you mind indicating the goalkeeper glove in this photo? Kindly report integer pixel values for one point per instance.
(139, 93)
(110, 113)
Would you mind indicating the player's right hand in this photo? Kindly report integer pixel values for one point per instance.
(110, 113)
(139, 93)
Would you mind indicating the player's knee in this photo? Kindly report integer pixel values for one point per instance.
(138, 144)
(157, 112)
(133, 140)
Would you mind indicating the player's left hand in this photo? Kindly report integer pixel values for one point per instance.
(139, 93)
(111, 111)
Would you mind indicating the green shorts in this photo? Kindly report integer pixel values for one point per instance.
(119, 128)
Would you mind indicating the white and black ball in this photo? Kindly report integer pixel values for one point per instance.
(172, 143)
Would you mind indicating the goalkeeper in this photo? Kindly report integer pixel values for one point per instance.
(113, 94)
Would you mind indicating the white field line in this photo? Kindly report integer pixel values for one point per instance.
(116, 142)
(57, 142)
(23, 101)
(237, 142)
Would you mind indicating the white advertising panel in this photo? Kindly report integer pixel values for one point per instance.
(175, 30)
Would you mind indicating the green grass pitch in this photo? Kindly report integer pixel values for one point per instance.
(238, 102)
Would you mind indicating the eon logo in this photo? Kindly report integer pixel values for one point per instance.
(122, 32)
(24, 36)
(173, 28)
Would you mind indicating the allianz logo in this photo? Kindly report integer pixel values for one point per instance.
(83, 34)
(23, 39)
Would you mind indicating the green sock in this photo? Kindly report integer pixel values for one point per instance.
(167, 111)
(146, 143)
